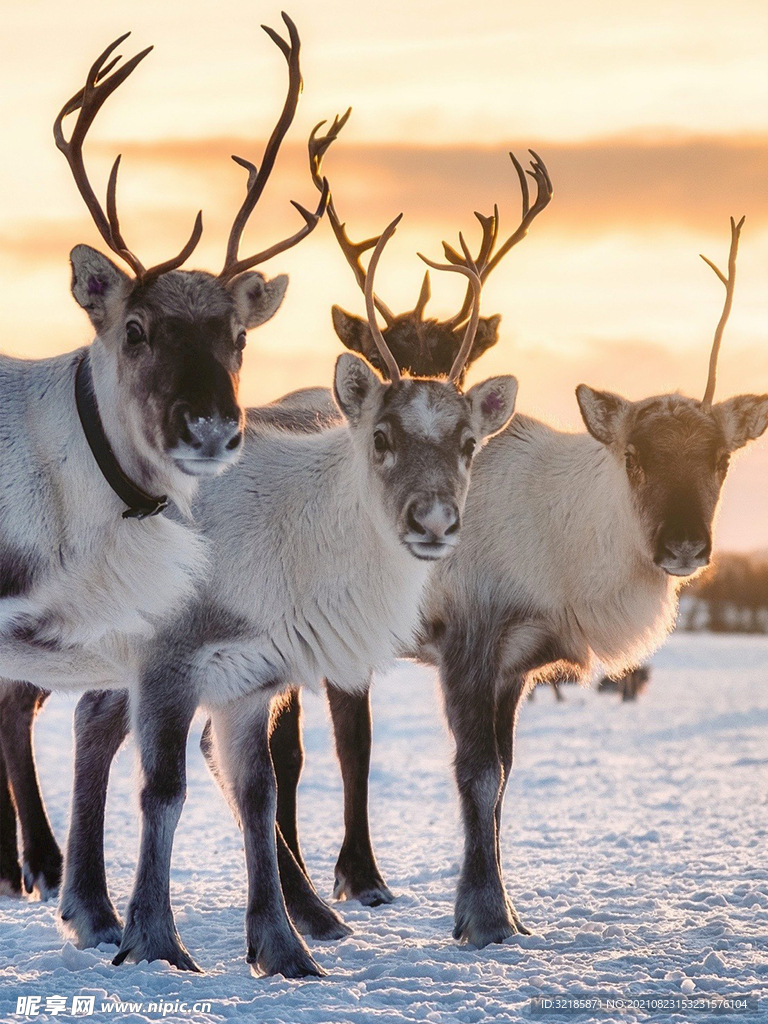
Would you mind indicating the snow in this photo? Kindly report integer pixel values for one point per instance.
(634, 845)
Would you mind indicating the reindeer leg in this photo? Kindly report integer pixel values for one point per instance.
(507, 706)
(101, 725)
(42, 857)
(469, 683)
(10, 872)
(287, 750)
(163, 710)
(239, 742)
(311, 915)
(357, 873)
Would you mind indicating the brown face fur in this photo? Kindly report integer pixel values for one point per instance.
(422, 348)
(676, 458)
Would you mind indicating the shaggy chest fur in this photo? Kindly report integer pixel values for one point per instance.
(308, 582)
(76, 574)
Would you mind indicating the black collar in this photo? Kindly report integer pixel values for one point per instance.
(140, 504)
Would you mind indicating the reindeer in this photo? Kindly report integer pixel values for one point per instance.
(321, 545)
(123, 426)
(575, 550)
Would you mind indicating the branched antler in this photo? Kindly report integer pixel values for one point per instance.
(469, 269)
(730, 283)
(99, 85)
(486, 261)
(258, 177)
(353, 251)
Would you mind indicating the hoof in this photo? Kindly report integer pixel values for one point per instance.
(154, 943)
(90, 925)
(10, 889)
(480, 920)
(291, 959)
(370, 889)
(44, 878)
(319, 922)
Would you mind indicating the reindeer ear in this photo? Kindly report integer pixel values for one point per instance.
(492, 403)
(486, 337)
(353, 382)
(352, 330)
(743, 418)
(602, 412)
(97, 283)
(256, 297)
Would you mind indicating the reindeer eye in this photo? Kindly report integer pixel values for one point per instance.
(134, 333)
(380, 442)
(240, 341)
(468, 448)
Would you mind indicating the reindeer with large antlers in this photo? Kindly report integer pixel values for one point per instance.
(321, 547)
(92, 441)
(427, 346)
(574, 551)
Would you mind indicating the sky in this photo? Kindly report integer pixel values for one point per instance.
(652, 118)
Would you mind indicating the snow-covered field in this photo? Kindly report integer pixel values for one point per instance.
(635, 847)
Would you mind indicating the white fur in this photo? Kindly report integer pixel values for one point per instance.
(550, 525)
(100, 580)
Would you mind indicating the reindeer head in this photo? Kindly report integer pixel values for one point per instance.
(427, 347)
(416, 438)
(675, 452)
(169, 342)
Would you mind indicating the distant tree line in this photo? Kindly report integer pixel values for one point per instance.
(730, 597)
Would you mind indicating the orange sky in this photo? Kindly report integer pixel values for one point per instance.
(653, 119)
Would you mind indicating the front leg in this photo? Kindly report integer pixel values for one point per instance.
(19, 704)
(507, 706)
(163, 710)
(469, 680)
(10, 872)
(88, 914)
(357, 873)
(239, 739)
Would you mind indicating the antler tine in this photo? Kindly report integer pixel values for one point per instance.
(487, 262)
(469, 270)
(729, 282)
(352, 251)
(99, 85)
(310, 223)
(370, 303)
(257, 179)
(424, 296)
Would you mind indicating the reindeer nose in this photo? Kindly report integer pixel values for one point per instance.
(681, 556)
(211, 436)
(434, 520)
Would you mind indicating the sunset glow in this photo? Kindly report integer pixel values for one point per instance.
(653, 122)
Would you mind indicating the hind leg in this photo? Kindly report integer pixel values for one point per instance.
(507, 706)
(357, 873)
(19, 704)
(101, 725)
(10, 872)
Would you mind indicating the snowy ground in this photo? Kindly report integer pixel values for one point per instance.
(635, 847)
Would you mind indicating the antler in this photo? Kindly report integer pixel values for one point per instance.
(469, 270)
(729, 282)
(486, 261)
(257, 178)
(318, 145)
(99, 84)
(370, 301)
